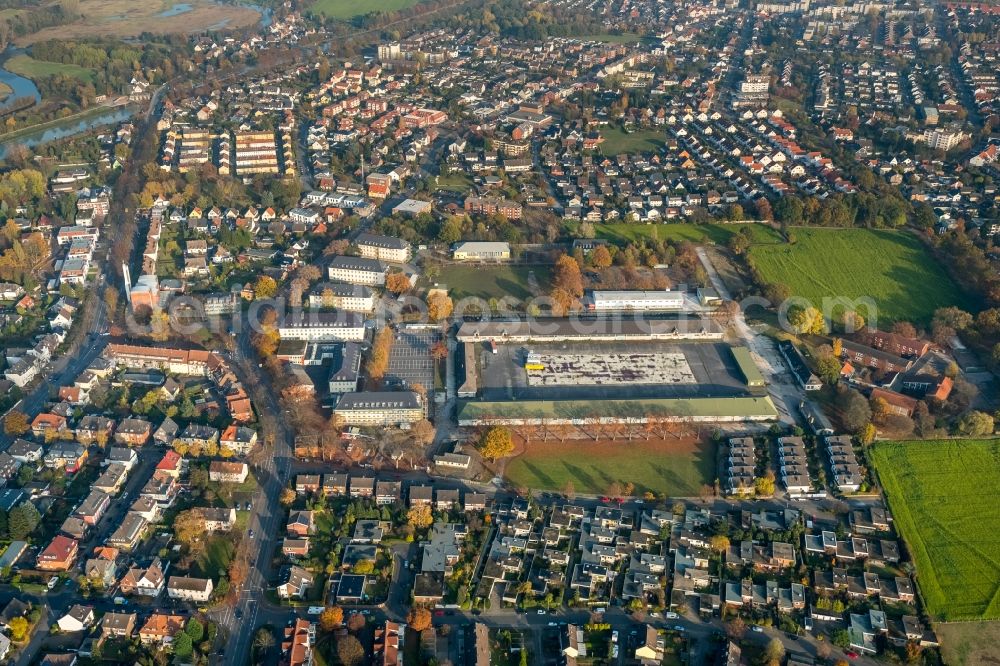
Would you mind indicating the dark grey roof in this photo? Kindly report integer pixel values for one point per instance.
(347, 364)
(384, 242)
(379, 400)
(339, 319)
(358, 264)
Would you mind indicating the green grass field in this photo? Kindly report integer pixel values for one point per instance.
(214, 562)
(345, 9)
(943, 497)
(611, 38)
(625, 232)
(617, 141)
(456, 182)
(675, 468)
(30, 68)
(493, 281)
(890, 267)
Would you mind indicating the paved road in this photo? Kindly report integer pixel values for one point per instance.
(251, 608)
(784, 392)
(704, 632)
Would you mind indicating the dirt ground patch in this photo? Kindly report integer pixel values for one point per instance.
(675, 467)
(969, 643)
(127, 18)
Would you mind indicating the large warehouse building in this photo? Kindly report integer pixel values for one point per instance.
(578, 412)
(639, 301)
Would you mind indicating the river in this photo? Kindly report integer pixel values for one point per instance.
(70, 128)
(21, 86)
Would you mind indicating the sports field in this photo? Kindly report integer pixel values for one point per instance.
(488, 282)
(677, 468)
(30, 68)
(345, 9)
(942, 495)
(891, 267)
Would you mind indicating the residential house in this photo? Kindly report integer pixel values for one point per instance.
(118, 625)
(144, 582)
(161, 628)
(295, 583)
(59, 555)
(225, 471)
(301, 523)
(134, 432)
(128, 534)
(77, 618)
(190, 589)
(218, 519)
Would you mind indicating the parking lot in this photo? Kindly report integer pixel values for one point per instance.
(594, 370)
(410, 361)
(574, 369)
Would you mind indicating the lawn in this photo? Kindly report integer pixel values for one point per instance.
(345, 9)
(892, 268)
(214, 562)
(488, 282)
(677, 468)
(455, 182)
(618, 141)
(625, 232)
(943, 497)
(30, 68)
(612, 38)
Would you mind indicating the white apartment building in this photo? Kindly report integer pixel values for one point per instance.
(358, 270)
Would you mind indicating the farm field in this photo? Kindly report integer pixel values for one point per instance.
(127, 18)
(30, 68)
(942, 496)
(675, 467)
(345, 9)
(892, 268)
(493, 281)
(617, 141)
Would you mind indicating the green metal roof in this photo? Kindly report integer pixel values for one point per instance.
(751, 373)
(703, 408)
